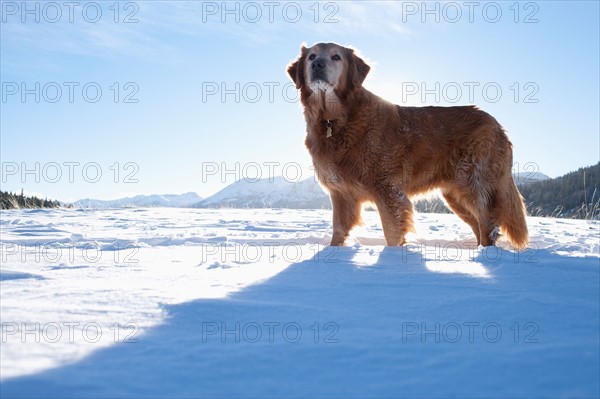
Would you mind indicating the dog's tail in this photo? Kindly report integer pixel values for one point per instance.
(512, 219)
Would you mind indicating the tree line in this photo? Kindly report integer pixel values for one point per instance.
(574, 195)
(10, 200)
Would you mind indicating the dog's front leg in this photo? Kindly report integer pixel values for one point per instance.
(346, 214)
(396, 212)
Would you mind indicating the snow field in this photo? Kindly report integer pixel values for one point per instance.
(107, 303)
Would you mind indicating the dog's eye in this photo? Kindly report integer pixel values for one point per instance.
(336, 57)
(312, 57)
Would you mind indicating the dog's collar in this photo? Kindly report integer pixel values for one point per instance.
(329, 126)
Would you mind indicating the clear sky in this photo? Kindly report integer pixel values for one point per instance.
(108, 99)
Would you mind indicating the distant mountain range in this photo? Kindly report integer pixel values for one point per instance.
(529, 177)
(269, 193)
(275, 192)
(576, 194)
(166, 200)
(306, 194)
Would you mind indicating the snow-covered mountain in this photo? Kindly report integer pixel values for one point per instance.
(154, 200)
(529, 177)
(269, 193)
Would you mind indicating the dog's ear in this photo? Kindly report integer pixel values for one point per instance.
(357, 69)
(296, 69)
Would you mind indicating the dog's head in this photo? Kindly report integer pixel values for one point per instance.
(328, 67)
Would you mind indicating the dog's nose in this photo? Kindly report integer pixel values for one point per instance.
(318, 64)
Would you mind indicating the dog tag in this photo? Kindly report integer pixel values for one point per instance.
(329, 132)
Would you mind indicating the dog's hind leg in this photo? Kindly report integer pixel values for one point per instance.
(489, 230)
(456, 205)
(346, 215)
(480, 196)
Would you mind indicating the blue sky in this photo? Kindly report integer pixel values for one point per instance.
(194, 95)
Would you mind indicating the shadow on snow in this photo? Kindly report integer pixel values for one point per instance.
(388, 325)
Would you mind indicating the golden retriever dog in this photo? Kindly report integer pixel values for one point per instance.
(366, 149)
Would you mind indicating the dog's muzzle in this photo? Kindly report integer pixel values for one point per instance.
(318, 70)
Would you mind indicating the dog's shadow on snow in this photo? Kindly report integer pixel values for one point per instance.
(335, 325)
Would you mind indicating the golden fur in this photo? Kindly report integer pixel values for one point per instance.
(367, 149)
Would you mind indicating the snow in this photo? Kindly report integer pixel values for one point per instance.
(252, 303)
